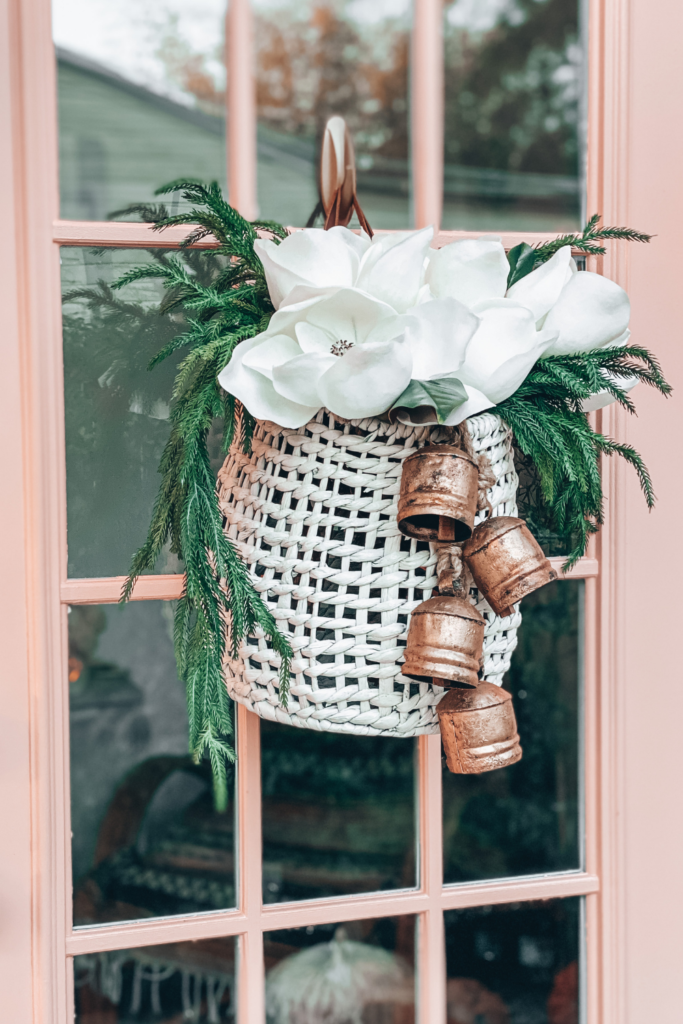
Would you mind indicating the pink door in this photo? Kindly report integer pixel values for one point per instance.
(551, 894)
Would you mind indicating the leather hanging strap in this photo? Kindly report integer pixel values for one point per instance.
(338, 177)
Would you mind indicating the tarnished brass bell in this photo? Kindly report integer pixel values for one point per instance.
(506, 562)
(439, 488)
(478, 729)
(445, 639)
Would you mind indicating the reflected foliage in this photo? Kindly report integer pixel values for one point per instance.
(512, 85)
(535, 512)
(513, 964)
(118, 413)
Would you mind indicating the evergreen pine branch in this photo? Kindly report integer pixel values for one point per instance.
(524, 258)
(219, 606)
(551, 430)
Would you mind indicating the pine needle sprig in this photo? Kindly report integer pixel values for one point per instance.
(550, 429)
(524, 258)
(220, 605)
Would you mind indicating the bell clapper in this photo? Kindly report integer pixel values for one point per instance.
(446, 531)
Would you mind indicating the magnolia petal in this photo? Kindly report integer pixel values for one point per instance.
(438, 334)
(298, 378)
(312, 338)
(367, 379)
(284, 321)
(392, 268)
(503, 350)
(592, 312)
(540, 290)
(312, 257)
(505, 380)
(270, 353)
(257, 393)
(621, 340)
(476, 403)
(351, 315)
(470, 270)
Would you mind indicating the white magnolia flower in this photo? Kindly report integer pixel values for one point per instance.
(346, 351)
(390, 267)
(586, 311)
(358, 320)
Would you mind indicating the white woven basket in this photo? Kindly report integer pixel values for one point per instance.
(313, 513)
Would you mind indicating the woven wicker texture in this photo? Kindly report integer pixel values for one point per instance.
(313, 513)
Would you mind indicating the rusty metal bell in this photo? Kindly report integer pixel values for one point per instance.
(445, 639)
(478, 729)
(439, 490)
(506, 562)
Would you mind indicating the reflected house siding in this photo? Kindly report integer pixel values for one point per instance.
(119, 141)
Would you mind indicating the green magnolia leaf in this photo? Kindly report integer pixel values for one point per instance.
(522, 260)
(430, 398)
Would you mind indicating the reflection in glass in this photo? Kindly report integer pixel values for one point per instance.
(514, 964)
(314, 59)
(146, 840)
(514, 130)
(534, 511)
(117, 412)
(179, 981)
(524, 819)
(359, 972)
(338, 813)
(141, 90)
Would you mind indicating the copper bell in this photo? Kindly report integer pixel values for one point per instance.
(478, 729)
(439, 490)
(506, 562)
(445, 639)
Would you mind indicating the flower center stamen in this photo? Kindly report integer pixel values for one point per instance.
(340, 347)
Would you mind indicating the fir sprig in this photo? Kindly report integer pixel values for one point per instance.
(219, 606)
(549, 427)
(524, 258)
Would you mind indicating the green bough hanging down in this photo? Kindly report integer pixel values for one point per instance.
(220, 607)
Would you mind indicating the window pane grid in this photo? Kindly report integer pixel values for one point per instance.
(431, 898)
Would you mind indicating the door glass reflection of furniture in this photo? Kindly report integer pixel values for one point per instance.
(429, 897)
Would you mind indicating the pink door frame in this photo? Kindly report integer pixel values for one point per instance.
(632, 759)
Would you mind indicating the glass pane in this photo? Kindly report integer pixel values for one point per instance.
(524, 819)
(181, 981)
(346, 57)
(533, 510)
(141, 91)
(359, 972)
(514, 121)
(146, 839)
(514, 964)
(117, 413)
(338, 813)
